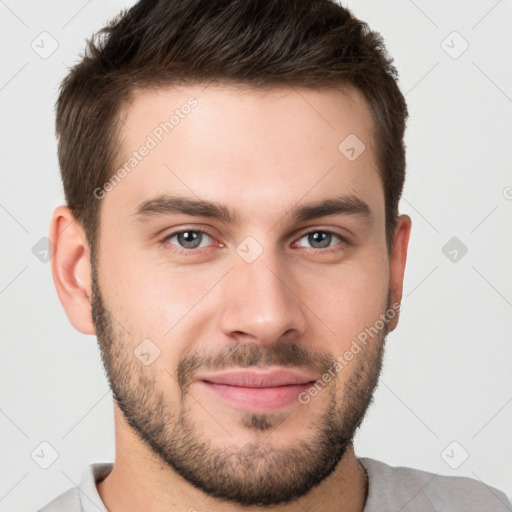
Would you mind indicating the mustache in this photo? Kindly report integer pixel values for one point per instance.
(247, 355)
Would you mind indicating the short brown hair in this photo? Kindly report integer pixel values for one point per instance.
(259, 43)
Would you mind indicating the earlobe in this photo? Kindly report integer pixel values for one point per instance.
(398, 261)
(71, 268)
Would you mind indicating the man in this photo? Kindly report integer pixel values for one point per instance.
(232, 172)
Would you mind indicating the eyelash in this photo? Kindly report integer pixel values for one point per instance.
(194, 252)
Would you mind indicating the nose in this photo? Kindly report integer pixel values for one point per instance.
(260, 303)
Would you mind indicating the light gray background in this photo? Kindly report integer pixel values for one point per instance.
(447, 368)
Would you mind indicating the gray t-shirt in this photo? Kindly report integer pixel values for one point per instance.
(390, 489)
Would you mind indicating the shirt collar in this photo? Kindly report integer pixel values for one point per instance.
(89, 496)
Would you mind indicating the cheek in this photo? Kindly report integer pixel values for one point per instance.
(154, 299)
(349, 298)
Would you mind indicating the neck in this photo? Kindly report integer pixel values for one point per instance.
(140, 481)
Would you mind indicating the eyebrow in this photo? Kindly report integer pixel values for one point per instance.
(166, 204)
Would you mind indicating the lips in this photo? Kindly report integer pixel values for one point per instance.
(259, 379)
(256, 391)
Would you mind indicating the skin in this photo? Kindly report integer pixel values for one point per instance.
(262, 154)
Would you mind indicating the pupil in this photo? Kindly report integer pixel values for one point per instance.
(189, 239)
(320, 237)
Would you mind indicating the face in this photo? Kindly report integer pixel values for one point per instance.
(244, 240)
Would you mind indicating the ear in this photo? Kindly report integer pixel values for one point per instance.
(71, 268)
(397, 263)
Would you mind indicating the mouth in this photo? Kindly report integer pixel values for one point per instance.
(262, 391)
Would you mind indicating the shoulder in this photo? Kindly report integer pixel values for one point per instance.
(408, 489)
(68, 501)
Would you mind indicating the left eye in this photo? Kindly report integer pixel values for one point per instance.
(189, 239)
(321, 239)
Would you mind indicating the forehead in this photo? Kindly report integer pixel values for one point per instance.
(264, 149)
(214, 109)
